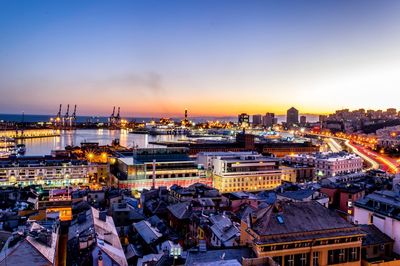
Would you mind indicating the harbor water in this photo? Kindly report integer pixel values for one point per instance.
(44, 146)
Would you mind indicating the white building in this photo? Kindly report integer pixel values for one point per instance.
(329, 164)
(48, 172)
(206, 158)
(382, 209)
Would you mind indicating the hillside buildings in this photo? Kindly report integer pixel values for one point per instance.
(329, 164)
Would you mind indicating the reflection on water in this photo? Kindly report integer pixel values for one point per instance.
(42, 146)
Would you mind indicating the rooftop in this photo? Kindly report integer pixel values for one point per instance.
(289, 218)
(214, 257)
(374, 236)
(385, 202)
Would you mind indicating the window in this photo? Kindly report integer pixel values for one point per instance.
(342, 257)
(303, 259)
(289, 260)
(315, 258)
(331, 257)
(354, 254)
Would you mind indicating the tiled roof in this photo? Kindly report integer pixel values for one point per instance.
(296, 217)
(180, 210)
(374, 236)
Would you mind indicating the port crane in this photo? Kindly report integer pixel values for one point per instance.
(115, 119)
(65, 121)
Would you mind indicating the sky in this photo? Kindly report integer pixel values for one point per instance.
(213, 57)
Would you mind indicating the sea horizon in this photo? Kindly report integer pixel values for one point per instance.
(34, 118)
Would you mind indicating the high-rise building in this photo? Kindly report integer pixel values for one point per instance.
(243, 120)
(303, 120)
(257, 120)
(269, 120)
(292, 117)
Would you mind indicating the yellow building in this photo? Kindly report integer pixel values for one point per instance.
(245, 173)
(289, 174)
(247, 182)
(302, 234)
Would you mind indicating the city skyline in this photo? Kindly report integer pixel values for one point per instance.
(222, 58)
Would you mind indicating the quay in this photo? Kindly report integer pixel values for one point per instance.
(30, 133)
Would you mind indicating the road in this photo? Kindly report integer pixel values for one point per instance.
(367, 155)
(363, 153)
(334, 145)
(385, 162)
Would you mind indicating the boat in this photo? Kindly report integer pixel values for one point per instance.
(21, 149)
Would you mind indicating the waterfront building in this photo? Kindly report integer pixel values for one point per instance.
(245, 173)
(244, 142)
(257, 120)
(382, 209)
(243, 120)
(302, 233)
(49, 171)
(292, 117)
(329, 164)
(171, 166)
(281, 149)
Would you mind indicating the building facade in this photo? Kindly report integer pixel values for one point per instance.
(49, 172)
(302, 234)
(257, 120)
(269, 120)
(171, 166)
(243, 120)
(246, 173)
(382, 209)
(292, 117)
(329, 164)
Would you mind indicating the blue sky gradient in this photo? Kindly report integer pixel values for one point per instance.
(212, 57)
